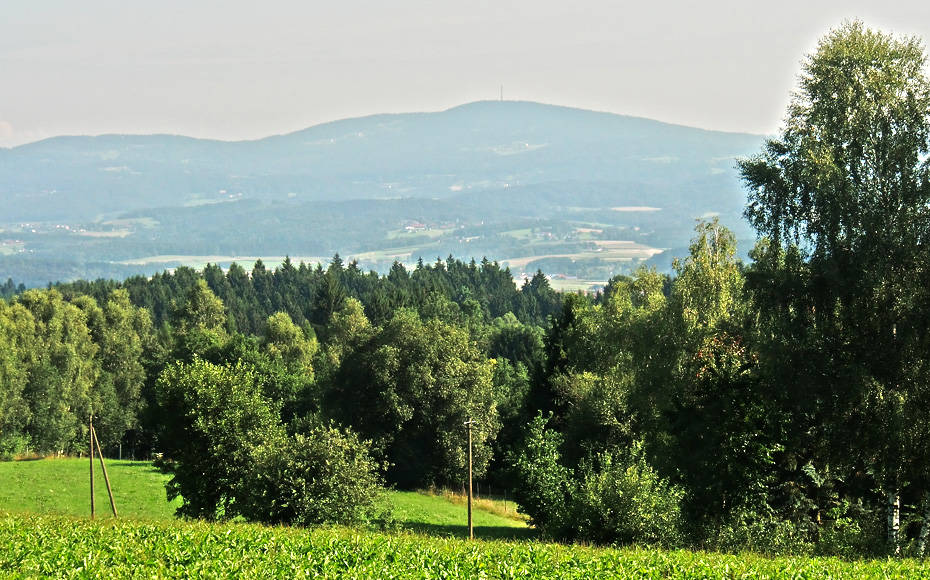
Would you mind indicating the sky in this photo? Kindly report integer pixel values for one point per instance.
(236, 69)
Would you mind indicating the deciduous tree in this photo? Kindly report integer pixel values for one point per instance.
(848, 182)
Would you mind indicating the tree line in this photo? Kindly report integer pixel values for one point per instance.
(780, 406)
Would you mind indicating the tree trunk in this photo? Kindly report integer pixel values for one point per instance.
(894, 519)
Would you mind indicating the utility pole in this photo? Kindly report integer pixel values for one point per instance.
(103, 467)
(471, 529)
(90, 434)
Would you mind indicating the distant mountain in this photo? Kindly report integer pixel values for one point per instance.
(482, 162)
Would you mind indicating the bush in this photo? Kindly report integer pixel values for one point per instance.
(760, 534)
(12, 446)
(848, 532)
(325, 476)
(229, 455)
(543, 484)
(212, 418)
(625, 501)
(617, 498)
(852, 532)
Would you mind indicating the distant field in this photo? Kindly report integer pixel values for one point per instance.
(426, 233)
(636, 208)
(104, 234)
(144, 222)
(8, 249)
(575, 284)
(119, 228)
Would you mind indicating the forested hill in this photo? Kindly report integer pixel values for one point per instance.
(476, 177)
(477, 147)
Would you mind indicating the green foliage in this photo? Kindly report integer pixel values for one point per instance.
(621, 499)
(544, 485)
(121, 331)
(199, 321)
(708, 290)
(283, 341)
(229, 455)
(50, 546)
(325, 475)
(612, 496)
(60, 363)
(842, 197)
(212, 418)
(15, 338)
(410, 388)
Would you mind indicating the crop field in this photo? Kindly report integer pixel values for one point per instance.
(58, 546)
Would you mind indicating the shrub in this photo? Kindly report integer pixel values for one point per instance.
(761, 534)
(229, 455)
(625, 501)
(213, 416)
(544, 484)
(325, 476)
(616, 498)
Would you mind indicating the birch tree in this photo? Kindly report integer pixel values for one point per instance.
(847, 185)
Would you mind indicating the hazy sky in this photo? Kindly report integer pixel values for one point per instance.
(236, 69)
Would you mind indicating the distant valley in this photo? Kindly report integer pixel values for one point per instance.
(574, 192)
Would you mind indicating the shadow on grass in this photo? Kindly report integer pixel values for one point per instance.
(481, 532)
(145, 465)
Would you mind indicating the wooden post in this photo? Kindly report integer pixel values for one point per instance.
(103, 466)
(471, 529)
(93, 507)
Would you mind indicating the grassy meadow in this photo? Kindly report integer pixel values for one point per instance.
(46, 532)
(62, 487)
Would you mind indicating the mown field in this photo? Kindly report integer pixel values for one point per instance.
(62, 487)
(45, 531)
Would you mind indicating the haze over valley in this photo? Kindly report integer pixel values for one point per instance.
(574, 192)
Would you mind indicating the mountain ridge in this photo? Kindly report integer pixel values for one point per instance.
(486, 162)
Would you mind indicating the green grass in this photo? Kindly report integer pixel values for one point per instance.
(62, 486)
(437, 515)
(56, 546)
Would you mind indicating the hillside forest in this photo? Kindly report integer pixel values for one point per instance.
(779, 405)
